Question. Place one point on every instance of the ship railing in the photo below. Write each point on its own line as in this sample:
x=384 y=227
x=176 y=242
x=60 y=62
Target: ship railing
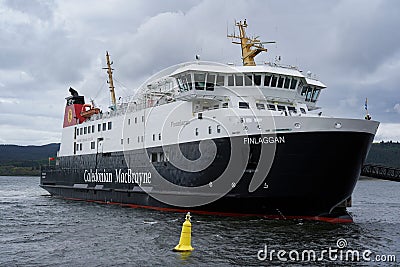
x=278 y=64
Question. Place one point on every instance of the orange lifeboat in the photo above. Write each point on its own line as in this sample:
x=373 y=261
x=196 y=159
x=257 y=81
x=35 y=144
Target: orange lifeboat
x=88 y=110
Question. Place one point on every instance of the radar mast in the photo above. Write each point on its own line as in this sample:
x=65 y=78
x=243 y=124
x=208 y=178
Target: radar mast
x=248 y=54
x=111 y=82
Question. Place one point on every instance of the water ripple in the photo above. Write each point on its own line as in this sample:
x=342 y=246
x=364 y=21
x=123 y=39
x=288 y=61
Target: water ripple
x=37 y=230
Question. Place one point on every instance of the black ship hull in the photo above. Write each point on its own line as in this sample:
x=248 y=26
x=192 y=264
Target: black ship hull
x=310 y=176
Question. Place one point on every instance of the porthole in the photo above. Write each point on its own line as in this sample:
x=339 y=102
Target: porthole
x=338 y=125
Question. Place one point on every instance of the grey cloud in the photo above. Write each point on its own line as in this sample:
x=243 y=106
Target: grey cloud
x=41 y=9
x=48 y=46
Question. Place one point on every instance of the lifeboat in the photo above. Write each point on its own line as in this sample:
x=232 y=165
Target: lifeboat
x=88 y=110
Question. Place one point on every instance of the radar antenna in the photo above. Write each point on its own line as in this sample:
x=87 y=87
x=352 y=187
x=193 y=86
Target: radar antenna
x=248 y=54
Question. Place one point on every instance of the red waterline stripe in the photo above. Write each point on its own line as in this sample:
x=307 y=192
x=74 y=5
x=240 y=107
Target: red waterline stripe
x=228 y=214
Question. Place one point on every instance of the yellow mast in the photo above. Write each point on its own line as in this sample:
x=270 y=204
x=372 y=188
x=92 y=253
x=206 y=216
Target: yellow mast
x=110 y=81
x=248 y=54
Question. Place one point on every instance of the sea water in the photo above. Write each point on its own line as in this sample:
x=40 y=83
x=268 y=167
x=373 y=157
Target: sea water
x=38 y=230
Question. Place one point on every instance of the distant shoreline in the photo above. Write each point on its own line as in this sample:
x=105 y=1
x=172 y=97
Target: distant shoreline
x=367 y=178
x=26 y=160
x=10 y=170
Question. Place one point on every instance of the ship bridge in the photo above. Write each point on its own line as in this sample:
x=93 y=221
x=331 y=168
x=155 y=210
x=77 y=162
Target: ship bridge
x=219 y=83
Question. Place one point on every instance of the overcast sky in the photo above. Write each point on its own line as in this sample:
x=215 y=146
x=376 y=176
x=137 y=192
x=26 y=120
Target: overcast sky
x=48 y=46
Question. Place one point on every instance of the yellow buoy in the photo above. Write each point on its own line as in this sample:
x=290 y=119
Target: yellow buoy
x=186 y=236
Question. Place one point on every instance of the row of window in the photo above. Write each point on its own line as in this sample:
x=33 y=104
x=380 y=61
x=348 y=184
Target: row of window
x=218 y=129
x=272 y=107
x=91 y=128
x=79 y=146
x=140 y=139
x=136 y=120
x=208 y=81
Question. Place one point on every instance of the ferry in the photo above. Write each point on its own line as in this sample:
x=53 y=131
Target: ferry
x=215 y=139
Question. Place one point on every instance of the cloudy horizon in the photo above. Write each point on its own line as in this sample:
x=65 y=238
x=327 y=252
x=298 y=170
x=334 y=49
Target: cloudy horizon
x=48 y=46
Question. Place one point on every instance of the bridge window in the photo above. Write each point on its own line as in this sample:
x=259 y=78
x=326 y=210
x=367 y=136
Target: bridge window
x=315 y=95
x=92 y=128
x=287 y=83
x=189 y=81
x=184 y=84
x=220 y=80
x=154 y=137
x=309 y=94
x=248 y=80
x=260 y=106
x=109 y=125
x=280 y=82
x=244 y=105
x=293 y=84
x=230 y=80
x=80 y=131
x=99 y=127
x=271 y=107
x=209 y=129
x=210 y=82
x=180 y=84
x=267 y=80
x=225 y=105
x=196 y=131
x=274 y=79
x=159 y=136
x=92 y=145
x=199 y=81
x=104 y=126
x=257 y=79
x=239 y=80
x=218 y=128
x=300 y=86
x=304 y=91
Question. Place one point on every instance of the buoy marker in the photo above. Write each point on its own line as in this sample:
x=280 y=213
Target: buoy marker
x=186 y=236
